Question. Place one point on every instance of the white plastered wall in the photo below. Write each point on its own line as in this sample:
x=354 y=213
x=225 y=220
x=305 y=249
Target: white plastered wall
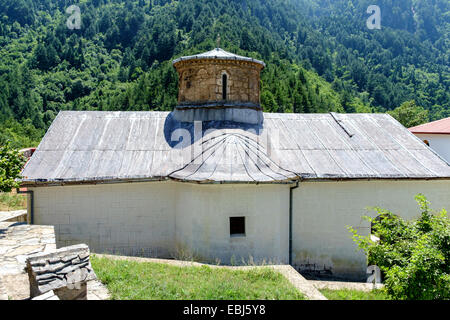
x=168 y=219
x=323 y=210
x=203 y=224
x=128 y=218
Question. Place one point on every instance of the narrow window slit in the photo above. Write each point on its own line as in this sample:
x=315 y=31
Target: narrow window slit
x=224 y=86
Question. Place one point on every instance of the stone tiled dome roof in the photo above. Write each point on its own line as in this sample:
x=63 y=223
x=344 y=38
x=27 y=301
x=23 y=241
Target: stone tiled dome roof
x=219 y=54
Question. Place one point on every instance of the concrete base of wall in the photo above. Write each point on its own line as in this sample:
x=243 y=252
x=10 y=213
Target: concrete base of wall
x=241 y=115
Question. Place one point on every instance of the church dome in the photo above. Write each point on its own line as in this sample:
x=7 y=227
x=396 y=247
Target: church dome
x=219 y=85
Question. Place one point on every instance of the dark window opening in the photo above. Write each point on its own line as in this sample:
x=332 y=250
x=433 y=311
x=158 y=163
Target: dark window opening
x=224 y=86
x=237 y=226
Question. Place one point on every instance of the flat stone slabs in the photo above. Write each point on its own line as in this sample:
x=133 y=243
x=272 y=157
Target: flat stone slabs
x=17 y=241
x=298 y=281
x=338 y=285
x=50 y=295
x=15 y=287
x=97 y=291
x=11 y=216
x=3 y=292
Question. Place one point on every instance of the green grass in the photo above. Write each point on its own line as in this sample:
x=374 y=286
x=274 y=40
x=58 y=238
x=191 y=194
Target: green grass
x=130 y=280
x=347 y=294
x=12 y=201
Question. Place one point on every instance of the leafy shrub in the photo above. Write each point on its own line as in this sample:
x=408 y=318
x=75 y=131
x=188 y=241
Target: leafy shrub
x=413 y=255
x=11 y=163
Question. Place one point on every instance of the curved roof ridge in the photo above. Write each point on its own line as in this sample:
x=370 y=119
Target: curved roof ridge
x=215 y=165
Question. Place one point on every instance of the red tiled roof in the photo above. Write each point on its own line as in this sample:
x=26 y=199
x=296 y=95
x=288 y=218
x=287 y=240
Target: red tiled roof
x=437 y=127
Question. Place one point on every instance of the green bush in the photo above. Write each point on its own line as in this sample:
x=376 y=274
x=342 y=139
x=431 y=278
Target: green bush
x=413 y=255
x=11 y=163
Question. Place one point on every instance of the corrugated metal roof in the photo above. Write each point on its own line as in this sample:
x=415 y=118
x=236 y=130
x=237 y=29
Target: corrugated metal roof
x=92 y=147
x=219 y=54
x=436 y=127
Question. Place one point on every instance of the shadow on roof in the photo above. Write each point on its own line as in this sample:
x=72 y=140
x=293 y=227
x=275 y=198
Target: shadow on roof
x=183 y=134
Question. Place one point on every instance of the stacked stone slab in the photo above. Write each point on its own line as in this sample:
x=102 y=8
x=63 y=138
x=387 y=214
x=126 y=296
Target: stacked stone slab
x=66 y=271
x=50 y=295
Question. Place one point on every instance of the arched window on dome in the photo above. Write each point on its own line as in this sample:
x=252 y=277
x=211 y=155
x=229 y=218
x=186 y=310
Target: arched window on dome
x=224 y=86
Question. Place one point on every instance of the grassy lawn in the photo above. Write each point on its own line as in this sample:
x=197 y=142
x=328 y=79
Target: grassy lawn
x=130 y=280
x=12 y=201
x=346 y=294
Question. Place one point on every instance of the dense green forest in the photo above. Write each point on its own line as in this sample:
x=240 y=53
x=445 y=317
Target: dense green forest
x=320 y=56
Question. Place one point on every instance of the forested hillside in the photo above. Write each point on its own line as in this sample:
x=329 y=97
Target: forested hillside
x=320 y=56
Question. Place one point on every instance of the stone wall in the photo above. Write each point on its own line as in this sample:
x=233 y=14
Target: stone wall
x=66 y=271
x=201 y=81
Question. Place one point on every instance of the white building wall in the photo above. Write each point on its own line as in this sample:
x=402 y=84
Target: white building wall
x=169 y=219
x=323 y=210
x=132 y=218
x=439 y=143
x=203 y=222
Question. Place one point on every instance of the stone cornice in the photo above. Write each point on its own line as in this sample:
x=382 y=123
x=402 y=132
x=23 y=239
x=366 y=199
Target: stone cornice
x=211 y=61
x=218 y=105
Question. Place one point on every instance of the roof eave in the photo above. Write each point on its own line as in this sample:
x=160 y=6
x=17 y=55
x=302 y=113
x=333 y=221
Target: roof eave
x=55 y=183
x=436 y=132
x=198 y=58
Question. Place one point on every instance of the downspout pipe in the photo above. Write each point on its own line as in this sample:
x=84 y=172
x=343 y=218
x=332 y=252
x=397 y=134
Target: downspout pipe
x=291 y=196
x=31 y=193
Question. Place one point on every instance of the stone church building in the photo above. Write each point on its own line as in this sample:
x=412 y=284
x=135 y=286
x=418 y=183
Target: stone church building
x=220 y=180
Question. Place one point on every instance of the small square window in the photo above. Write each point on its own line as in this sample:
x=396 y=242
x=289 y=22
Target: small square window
x=237 y=226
